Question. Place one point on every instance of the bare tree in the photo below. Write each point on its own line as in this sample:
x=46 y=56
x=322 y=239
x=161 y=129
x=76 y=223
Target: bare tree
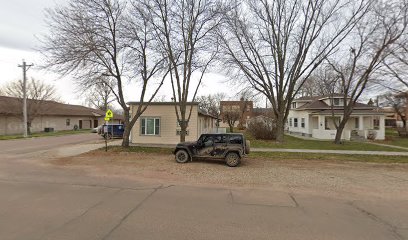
x=399 y=103
x=231 y=116
x=184 y=29
x=372 y=42
x=396 y=66
x=211 y=103
x=100 y=95
x=38 y=93
x=322 y=82
x=109 y=38
x=274 y=46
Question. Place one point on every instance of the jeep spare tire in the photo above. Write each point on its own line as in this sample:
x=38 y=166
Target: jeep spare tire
x=247 y=146
x=232 y=159
x=182 y=156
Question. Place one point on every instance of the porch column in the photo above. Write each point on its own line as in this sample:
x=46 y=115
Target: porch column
x=321 y=122
x=381 y=131
x=360 y=123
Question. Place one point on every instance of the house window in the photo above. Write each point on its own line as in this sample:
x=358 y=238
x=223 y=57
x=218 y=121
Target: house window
x=295 y=122
x=150 y=126
x=290 y=122
x=336 y=102
x=302 y=123
x=68 y=122
x=293 y=105
x=356 y=123
x=178 y=132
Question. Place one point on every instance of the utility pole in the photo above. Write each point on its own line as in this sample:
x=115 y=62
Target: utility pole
x=25 y=68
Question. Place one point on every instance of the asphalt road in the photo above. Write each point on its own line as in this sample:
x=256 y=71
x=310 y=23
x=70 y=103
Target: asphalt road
x=41 y=201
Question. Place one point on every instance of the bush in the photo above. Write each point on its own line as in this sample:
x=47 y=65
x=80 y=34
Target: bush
x=262 y=128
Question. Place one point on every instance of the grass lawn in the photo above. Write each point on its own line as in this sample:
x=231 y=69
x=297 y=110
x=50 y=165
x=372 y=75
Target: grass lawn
x=139 y=149
x=45 y=134
x=298 y=143
x=328 y=157
x=277 y=156
x=392 y=138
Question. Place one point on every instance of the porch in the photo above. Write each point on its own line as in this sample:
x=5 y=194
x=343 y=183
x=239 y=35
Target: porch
x=358 y=127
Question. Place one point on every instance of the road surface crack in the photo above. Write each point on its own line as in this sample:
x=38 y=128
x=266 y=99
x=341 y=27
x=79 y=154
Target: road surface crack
x=393 y=229
x=134 y=209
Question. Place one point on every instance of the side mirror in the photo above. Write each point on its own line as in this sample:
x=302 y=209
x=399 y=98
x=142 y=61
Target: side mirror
x=199 y=143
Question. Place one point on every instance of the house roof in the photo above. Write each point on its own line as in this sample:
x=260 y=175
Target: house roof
x=355 y=112
x=204 y=113
x=13 y=106
x=159 y=103
x=313 y=98
x=321 y=105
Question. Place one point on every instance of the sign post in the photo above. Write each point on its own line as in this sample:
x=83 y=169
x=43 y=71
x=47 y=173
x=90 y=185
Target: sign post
x=108 y=116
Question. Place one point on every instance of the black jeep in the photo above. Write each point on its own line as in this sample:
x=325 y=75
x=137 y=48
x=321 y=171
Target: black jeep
x=229 y=146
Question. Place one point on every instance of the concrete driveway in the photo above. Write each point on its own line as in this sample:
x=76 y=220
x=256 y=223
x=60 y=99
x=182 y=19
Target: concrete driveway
x=43 y=201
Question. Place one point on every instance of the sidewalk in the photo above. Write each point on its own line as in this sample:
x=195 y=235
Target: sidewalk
x=346 y=152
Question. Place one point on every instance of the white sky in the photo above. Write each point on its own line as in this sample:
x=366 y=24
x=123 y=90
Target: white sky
x=21 y=21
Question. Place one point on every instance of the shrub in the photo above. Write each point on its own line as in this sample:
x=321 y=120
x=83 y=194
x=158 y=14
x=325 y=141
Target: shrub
x=262 y=128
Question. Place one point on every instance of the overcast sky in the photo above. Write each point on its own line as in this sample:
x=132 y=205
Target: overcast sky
x=21 y=21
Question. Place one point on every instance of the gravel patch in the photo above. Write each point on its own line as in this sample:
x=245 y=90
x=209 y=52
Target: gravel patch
x=340 y=179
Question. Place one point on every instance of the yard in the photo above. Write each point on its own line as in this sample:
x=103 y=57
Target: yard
x=392 y=138
x=45 y=134
x=291 y=142
x=337 y=174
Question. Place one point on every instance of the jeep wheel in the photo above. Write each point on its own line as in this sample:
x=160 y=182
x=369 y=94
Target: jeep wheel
x=232 y=159
x=182 y=156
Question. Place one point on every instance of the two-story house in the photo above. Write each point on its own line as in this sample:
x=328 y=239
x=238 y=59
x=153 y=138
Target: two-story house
x=318 y=117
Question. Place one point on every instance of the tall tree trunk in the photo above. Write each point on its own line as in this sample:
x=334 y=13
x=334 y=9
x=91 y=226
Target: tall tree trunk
x=404 y=122
x=280 y=128
x=183 y=124
x=183 y=131
x=128 y=128
x=231 y=127
x=339 y=131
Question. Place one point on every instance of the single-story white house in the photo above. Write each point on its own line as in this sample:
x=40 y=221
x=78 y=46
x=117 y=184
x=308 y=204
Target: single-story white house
x=316 y=116
x=47 y=114
x=159 y=125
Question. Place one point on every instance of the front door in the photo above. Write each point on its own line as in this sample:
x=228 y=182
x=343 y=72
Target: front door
x=95 y=123
x=80 y=124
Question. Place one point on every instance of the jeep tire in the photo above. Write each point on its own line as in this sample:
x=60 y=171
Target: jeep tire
x=182 y=156
x=232 y=159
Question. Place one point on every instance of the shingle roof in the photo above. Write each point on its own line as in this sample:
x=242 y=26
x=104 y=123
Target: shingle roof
x=320 y=104
x=13 y=106
x=204 y=113
x=160 y=103
x=312 y=98
x=355 y=112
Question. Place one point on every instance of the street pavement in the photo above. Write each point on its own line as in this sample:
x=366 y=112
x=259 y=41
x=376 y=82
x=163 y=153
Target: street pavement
x=42 y=201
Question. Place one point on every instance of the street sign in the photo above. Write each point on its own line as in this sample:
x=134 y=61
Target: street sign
x=109 y=114
x=107 y=119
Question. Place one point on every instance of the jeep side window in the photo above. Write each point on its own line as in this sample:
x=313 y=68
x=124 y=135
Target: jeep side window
x=208 y=141
x=220 y=139
x=235 y=139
